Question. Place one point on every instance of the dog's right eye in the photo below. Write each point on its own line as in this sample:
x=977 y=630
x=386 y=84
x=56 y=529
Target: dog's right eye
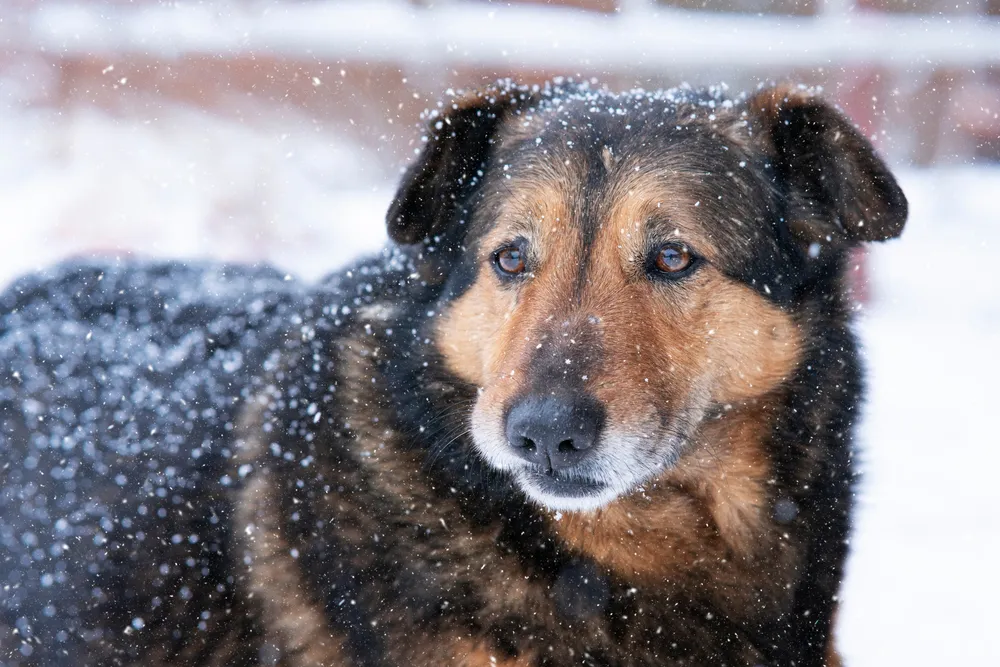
x=509 y=260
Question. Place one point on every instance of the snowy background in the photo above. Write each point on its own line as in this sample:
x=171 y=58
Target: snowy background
x=275 y=131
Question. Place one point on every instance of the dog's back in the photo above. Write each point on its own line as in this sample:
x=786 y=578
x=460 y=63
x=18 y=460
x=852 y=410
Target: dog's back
x=115 y=424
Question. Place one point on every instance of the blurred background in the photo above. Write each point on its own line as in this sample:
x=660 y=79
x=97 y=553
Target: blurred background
x=274 y=130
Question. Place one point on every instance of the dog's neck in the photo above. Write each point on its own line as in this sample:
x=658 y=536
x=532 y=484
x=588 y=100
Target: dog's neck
x=707 y=518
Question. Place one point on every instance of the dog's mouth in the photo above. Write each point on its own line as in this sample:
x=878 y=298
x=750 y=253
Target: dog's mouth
x=554 y=483
x=558 y=491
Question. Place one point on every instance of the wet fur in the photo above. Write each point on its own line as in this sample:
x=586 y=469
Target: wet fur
x=365 y=526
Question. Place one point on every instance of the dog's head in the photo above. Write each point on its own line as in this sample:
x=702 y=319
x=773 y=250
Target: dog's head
x=618 y=267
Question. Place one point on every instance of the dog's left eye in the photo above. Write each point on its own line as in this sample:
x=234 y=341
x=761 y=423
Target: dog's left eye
x=672 y=260
x=509 y=260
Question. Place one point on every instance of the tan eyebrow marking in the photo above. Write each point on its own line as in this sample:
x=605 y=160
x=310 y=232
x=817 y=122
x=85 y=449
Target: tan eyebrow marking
x=608 y=158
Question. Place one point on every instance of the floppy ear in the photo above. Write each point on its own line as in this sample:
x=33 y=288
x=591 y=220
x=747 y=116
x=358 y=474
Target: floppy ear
x=449 y=167
x=836 y=187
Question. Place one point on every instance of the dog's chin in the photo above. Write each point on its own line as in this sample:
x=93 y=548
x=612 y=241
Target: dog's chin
x=564 y=494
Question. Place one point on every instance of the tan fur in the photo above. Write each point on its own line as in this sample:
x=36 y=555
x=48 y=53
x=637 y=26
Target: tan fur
x=707 y=518
x=727 y=471
x=294 y=620
x=469 y=327
x=468 y=653
x=608 y=158
x=768 y=103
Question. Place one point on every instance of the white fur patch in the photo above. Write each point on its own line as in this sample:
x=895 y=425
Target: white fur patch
x=608 y=158
x=378 y=312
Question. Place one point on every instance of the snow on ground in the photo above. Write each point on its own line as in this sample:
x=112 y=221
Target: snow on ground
x=922 y=582
x=182 y=182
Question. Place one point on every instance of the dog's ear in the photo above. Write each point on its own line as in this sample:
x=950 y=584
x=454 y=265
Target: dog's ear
x=836 y=186
x=451 y=164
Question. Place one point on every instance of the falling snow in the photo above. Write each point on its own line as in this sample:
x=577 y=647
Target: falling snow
x=124 y=385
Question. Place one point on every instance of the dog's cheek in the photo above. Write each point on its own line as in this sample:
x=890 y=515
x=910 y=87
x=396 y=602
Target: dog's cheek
x=470 y=333
x=754 y=346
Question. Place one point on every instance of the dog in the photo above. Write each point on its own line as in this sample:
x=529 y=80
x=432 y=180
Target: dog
x=593 y=406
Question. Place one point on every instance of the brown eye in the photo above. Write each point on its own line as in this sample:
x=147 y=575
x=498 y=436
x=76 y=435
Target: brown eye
x=673 y=258
x=510 y=260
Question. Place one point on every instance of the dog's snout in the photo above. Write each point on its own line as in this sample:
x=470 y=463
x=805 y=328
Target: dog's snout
x=555 y=432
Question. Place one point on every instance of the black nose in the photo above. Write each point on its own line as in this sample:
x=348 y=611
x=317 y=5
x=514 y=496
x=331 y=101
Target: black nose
x=555 y=432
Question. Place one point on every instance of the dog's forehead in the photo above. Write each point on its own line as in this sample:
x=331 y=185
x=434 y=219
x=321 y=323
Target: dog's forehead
x=666 y=132
x=676 y=164
x=583 y=108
